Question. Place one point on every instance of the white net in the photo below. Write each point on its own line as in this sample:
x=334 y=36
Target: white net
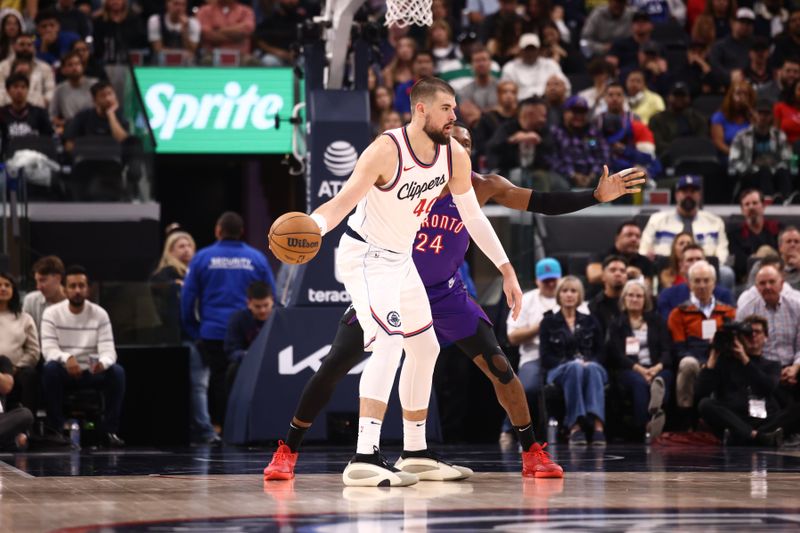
x=407 y=12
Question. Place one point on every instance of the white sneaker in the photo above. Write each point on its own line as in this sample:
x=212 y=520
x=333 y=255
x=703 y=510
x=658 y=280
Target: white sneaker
x=373 y=471
x=427 y=466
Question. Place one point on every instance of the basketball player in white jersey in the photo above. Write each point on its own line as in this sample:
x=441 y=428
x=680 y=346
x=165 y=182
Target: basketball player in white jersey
x=393 y=186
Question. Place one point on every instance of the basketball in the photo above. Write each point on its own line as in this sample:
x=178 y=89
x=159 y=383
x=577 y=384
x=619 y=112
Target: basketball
x=294 y=238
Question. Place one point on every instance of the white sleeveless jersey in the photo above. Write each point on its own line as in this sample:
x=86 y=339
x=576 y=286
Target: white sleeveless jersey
x=390 y=216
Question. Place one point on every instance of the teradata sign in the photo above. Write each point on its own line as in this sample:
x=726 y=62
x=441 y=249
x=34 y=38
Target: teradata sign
x=218 y=110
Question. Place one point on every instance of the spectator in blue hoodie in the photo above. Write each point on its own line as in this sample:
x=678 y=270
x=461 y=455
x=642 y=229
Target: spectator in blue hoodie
x=215 y=288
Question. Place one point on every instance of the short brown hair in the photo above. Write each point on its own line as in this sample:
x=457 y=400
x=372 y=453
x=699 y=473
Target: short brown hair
x=427 y=87
x=49 y=264
x=758 y=319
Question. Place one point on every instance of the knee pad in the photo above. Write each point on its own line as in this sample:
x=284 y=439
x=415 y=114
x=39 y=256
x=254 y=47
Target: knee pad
x=499 y=365
x=484 y=344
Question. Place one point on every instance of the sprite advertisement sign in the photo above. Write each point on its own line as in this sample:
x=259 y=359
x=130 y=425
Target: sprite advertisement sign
x=218 y=110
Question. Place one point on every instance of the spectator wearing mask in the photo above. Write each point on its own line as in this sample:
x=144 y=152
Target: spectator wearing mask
x=19 y=118
x=274 y=37
x=734 y=116
x=624 y=52
x=482 y=90
x=787 y=113
x=737 y=386
x=556 y=92
x=174 y=30
x=19 y=341
x=643 y=102
x=42 y=81
x=571 y=351
x=48 y=272
x=678 y=293
x=244 y=326
x=78 y=349
x=52 y=42
x=626 y=245
x=72 y=19
x=692 y=326
x=530 y=70
x=640 y=347
x=579 y=150
x=785 y=78
x=216 y=285
x=72 y=95
x=760 y=156
x=757 y=71
x=604 y=25
x=506 y=110
x=732 y=51
x=605 y=305
x=748 y=237
x=678 y=120
x=117 y=30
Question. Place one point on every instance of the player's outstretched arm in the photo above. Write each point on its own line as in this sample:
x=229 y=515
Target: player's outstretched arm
x=479 y=227
x=609 y=188
x=377 y=163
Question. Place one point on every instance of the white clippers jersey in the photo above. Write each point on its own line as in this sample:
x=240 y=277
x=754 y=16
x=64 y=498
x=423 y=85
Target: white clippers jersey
x=390 y=216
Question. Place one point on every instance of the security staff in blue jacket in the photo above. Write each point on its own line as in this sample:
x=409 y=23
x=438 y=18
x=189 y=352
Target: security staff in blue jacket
x=215 y=287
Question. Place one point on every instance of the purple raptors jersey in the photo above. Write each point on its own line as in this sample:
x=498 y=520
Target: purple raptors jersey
x=441 y=243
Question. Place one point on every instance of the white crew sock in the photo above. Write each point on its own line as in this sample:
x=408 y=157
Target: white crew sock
x=414 y=435
x=369 y=435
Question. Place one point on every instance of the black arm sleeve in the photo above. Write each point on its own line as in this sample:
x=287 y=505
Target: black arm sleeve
x=558 y=203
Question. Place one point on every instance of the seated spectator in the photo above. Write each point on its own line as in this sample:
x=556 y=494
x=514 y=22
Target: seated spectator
x=400 y=68
x=757 y=71
x=708 y=229
x=174 y=30
x=11 y=25
x=78 y=349
x=275 y=35
x=602 y=73
x=787 y=44
x=42 y=81
x=476 y=11
x=605 y=305
x=571 y=350
x=717 y=16
x=72 y=95
x=19 y=341
x=755 y=232
x=789 y=251
x=116 y=31
x=390 y=120
x=244 y=326
x=626 y=245
x=529 y=70
x=692 y=326
x=48 y=272
x=556 y=92
x=501 y=32
x=785 y=78
x=731 y=52
x=505 y=111
x=639 y=345
x=604 y=25
x=678 y=120
x=482 y=91
x=624 y=52
x=671 y=273
x=52 y=42
x=631 y=142
x=782 y=313
x=524 y=143
x=771 y=18
x=678 y=293
x=14 y=423
x=760 y=156
x=653 y=62
x=698 y=73
x=423 y=67
x=91 y=66
x=733 y=116
x=642 y=101
x=737 y=388
x=661 y=11
x=381 y=101
x=446 y=55
x=229 y=25
x=787 y=113
x=751 y=293
x=579 y=151
x=562 y=52
x=103 y=119
x=20 y=118
x=72 y=19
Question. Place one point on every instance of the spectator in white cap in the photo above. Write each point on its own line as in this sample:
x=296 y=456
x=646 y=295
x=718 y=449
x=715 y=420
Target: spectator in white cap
x=530 y=71
x=733 y=52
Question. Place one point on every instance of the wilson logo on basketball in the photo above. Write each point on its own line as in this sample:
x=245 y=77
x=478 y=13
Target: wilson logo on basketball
x=294 y=242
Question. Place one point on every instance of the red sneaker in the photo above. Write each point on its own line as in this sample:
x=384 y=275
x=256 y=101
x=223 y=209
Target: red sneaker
x=282 y=464
x=537 y=463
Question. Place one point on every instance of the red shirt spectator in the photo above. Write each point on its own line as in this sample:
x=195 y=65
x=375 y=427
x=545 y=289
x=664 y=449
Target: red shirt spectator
x=787 y=114
x=226 y=24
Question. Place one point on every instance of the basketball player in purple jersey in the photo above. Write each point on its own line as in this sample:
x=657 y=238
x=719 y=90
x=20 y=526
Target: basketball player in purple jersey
x=439 y=250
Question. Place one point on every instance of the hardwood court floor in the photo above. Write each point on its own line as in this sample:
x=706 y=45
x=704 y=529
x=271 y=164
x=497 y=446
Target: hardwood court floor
x=621 y=488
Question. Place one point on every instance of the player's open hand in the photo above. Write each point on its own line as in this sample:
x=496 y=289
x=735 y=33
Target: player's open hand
x=624 y=182
x=512 y=290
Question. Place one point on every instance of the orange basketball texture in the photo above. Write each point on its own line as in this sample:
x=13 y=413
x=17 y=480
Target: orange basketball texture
x=294 y=238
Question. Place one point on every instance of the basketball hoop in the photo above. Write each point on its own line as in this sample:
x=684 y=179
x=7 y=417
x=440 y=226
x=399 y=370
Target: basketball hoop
x=404 y=13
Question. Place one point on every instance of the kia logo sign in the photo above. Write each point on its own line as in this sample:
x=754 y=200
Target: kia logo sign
x=340 y=158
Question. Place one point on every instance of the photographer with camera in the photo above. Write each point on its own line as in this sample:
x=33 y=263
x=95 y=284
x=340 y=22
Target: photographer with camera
x=737 y=387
